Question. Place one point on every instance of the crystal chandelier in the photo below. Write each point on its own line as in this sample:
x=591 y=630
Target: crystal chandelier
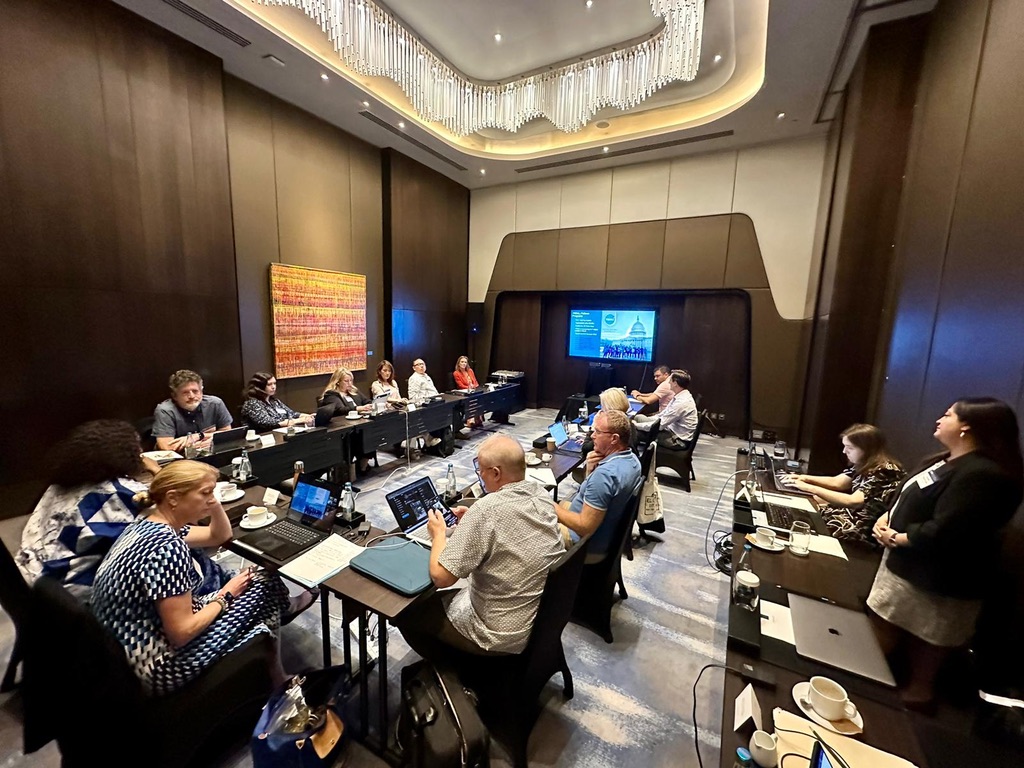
x=371 y=42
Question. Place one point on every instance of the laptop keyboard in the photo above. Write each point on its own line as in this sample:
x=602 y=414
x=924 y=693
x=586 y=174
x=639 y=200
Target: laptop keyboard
x=782 y=517
x=296 y=534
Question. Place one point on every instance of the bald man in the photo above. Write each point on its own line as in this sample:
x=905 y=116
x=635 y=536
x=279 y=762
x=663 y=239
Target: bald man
x=503 y=545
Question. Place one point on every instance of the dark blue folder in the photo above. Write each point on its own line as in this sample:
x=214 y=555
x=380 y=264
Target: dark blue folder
x=399 y=564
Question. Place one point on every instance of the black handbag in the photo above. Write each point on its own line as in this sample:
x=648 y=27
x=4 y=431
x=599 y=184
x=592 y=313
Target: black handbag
x=317 y=741
x=439 y=725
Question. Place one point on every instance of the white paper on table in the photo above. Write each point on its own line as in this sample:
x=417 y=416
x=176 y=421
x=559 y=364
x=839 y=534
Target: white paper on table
x=777 y=622
x=321 y=562
x=856 y=753
x=267 y=441
x=544 y=476
x=793 y=502
x=826 y=545
x=747 y=707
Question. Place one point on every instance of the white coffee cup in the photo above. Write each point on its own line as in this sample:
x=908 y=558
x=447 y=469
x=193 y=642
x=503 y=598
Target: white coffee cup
x=227 y=489
x=764 y=748
x=545 y=457
x=829 y=699
x=353 y=414
x=250 y=435
x=256 y=515
x=765 y=537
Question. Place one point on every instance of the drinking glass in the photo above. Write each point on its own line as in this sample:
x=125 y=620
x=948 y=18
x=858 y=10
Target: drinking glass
x=780 y=451
x=800 y=538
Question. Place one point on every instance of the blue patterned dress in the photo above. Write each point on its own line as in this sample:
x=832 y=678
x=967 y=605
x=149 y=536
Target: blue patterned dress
x=150 y=561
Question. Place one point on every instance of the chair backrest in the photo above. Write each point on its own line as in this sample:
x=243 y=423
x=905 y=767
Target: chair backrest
x=647 y=458
x=644 y=437
x=697 y=431
x=145 y=429
x=14 y=591
x=555 y=606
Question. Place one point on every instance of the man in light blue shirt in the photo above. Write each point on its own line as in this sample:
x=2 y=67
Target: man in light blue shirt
x=601 y=501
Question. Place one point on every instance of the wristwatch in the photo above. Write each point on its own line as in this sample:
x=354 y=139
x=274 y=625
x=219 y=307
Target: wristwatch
x=228 y=598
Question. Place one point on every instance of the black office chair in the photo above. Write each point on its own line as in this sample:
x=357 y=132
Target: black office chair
x=14 y=599
x=681 y=461
x=75 y=670
x=596 y=595
x=508 y=687
x=145 y=429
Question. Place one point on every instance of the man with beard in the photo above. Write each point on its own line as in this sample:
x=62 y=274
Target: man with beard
x=188 y=416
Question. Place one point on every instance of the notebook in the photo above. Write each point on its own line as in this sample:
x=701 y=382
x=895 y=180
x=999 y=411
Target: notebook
x=403 y=566
x=839 y=637
x=310 y=520
x=563 y=444
x=410 y=505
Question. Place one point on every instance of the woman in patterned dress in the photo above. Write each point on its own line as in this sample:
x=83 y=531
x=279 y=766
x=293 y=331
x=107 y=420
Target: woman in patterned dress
x=856 y=497
x=263 y=410
x=144 y=589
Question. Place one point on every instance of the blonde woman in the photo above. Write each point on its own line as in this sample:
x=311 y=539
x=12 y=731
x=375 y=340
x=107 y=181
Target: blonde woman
x=145 y=588
x=342 y=392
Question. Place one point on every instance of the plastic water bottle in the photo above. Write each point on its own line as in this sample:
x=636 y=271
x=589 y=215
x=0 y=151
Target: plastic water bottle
x=584 y=413
x=742 y=565
x=450 y=489
x=348 y=503
x=245 y=467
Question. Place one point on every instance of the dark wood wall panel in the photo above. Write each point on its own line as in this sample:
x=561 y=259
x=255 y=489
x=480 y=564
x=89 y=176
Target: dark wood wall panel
x=119 y=264
x=875 y=135
x=427 y=262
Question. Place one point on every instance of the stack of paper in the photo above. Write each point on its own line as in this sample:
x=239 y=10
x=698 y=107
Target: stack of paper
x=321 y=562
x=855 y=753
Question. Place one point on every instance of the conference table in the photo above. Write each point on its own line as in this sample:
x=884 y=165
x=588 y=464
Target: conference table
x=846 y=583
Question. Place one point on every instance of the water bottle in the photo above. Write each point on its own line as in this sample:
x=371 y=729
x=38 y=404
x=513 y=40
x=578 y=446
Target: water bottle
x=244 y=467
x=742 y=565
x=450 y=489
x=348 y=503
x=565 y=424
x=584 y=413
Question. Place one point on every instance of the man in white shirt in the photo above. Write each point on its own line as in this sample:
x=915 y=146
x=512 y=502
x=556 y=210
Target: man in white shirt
x=421 y=386
x=678 y=418
x=662 y=394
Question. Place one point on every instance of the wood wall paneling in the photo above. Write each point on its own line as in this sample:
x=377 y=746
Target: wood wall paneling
x=517 y=338
x=695 y=252
x=582 y=258
x=635 y=253
x=744 y=265
x=535 y=260
x=116 y=199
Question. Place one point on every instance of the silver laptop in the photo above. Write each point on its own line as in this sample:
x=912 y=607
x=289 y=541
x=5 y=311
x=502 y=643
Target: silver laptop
x=839 y=637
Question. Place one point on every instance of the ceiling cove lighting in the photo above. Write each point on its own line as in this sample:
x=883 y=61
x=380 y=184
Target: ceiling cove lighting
x=371 y=42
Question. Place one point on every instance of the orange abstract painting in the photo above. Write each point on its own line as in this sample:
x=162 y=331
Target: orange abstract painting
x=319 y=320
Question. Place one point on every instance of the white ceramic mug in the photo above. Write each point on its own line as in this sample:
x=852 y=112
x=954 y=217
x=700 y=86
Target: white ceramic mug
x=829 y=699
x=228 y=489
x=250 y=435
x=353 y=414
x=545 y=457
x=764 y=748
x=256 y=515
x=765 y=537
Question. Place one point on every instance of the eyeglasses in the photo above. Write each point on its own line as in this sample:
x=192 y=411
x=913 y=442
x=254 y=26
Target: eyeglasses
x=596 y=431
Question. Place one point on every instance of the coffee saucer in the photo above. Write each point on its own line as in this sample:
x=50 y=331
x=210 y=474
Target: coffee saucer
x=532 y=460
x=271 y=517
x=229 y=497
x=357 y=417
x=777 y=546
x=801 y=692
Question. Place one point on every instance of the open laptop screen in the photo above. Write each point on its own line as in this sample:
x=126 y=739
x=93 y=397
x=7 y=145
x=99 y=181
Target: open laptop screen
x=316 y=501
x=558 y=432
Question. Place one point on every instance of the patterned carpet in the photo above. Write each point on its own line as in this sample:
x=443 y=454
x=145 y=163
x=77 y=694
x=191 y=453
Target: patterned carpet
x=633 y=697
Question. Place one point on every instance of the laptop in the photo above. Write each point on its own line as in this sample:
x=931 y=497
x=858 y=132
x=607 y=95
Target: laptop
x=310 y=520
x=563 y=444
x=403 y=566
x=839 y=637
x=780 y=517
x=229 y=438
x=410 y=504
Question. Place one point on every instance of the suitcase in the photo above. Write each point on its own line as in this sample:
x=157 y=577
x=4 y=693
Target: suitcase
x=439 y=726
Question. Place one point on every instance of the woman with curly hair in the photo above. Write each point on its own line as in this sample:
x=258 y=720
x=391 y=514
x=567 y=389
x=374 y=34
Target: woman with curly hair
x=93 y=478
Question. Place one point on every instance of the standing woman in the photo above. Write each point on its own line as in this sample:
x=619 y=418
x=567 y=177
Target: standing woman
x=859 y=495
x=941 y=537
x=145 y=588
x=263 y=410
x=466 y=379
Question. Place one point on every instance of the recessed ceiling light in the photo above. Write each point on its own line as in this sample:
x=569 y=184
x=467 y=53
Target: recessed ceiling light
x=605 y=149
x=497 y=37
x=590 y=3
x=780 y=116
x=324 y=77
x=483 y=171
x=718 y=57
x=366 y=104
x=401 y=124
x=602 y=124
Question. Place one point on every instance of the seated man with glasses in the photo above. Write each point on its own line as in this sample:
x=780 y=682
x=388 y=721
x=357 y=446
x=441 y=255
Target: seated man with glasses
x=614 y=471
x=503 y=546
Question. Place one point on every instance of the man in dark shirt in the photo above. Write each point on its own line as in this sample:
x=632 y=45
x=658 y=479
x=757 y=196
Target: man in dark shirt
x=188 y=416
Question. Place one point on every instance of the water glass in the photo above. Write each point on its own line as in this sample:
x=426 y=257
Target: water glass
x=800 y=538
x=780 y=451
x=746 y=594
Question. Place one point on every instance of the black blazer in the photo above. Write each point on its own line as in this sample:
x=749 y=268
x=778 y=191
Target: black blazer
x=342 y=403
x=953 y=526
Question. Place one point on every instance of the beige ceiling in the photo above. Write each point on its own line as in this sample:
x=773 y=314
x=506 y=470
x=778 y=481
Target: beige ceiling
x=778 y=56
